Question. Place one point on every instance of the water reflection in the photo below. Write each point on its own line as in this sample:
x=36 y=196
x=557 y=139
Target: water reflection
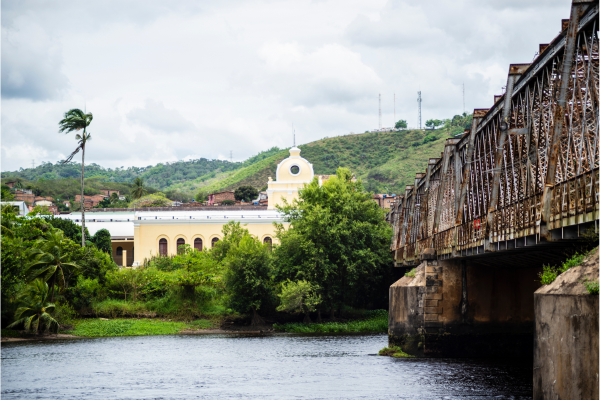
x=280 y=367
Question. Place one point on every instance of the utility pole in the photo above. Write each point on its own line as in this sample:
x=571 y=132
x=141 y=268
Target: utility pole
x=379 y=110
x=419 y=103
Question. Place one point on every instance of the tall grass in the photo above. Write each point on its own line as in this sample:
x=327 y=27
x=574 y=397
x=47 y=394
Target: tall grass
x=377 y=323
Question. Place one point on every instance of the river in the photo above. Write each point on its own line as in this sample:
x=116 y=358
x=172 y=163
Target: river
x=249 y=367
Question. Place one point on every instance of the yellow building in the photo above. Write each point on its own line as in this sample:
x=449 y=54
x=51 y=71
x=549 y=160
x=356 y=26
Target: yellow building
x=292 y=174
x=139 y=235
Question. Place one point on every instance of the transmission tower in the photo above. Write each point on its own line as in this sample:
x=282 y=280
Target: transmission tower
x=379 y=110
x=419 y=102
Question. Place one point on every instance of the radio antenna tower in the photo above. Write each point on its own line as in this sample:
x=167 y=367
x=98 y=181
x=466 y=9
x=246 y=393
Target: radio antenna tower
x=379 y=110
x=419 y=102
x=294 y=135
x=464 y=108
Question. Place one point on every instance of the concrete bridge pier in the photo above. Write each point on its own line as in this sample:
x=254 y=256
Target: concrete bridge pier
x=465 y=308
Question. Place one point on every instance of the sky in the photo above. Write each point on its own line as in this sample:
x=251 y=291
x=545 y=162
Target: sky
x=174 y=80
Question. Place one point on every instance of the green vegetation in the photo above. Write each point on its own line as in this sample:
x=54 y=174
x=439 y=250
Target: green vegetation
x=299 y=296
x=394 y=351
x=245 y=193
x=376 y=323
x=338 y=241
x=157 y=199
x=550 y=273
x=334 y=256
x=592 y=287
x=412 y=273
x=401 y=124
x=127 y=327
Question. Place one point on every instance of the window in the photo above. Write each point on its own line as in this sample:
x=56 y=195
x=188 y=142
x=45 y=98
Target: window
x=120 y=251
x=180 y=242
x=198 y=244
x=162 y=247
x=268 y=241
x=295 y=170
x=214 y=241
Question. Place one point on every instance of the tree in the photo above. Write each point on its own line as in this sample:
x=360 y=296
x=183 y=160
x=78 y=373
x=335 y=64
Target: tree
x=102 y=241
x=299 y=296
x=75 y=120
x=433 y=123
x=33 y=313
x=201 y=196
x=338 y=239
x=247 y=277
x=50 y=259
x=227 y=202
x=245 y=193
x=139 y=190
x=401 y=124
x=7 y=194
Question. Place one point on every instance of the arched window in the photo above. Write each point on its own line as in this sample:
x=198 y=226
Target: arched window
x=198 y=244
x=268 y=241
x=162 y=247
x=214 y=241
x=180 y=242
x=120 y=251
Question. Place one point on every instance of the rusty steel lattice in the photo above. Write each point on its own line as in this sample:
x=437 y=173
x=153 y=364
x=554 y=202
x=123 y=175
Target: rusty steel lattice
x=529 y=164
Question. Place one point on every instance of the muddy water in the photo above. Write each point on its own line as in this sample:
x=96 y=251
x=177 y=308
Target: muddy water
x=249 y=367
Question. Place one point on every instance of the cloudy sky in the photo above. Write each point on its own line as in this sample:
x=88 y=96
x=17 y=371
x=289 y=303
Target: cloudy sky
x=171 y=80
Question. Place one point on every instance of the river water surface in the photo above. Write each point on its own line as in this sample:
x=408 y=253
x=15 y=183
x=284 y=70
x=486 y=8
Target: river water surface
x=249 y=367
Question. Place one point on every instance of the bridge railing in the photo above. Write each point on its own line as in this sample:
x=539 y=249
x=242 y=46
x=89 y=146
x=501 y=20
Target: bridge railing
x=529 y=164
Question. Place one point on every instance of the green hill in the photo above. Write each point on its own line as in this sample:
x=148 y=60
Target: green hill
x=384 y=161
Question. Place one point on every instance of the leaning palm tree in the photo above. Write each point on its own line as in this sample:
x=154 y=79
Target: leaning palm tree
x=76 y=120
x=50 y=260
x=139 y=190
x=33 y=313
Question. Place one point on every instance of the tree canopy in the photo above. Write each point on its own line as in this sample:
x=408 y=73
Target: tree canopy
x=338 y=239
x=245 y=193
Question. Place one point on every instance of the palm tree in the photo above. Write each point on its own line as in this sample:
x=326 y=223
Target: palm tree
x=50 y=259
x=33 y=313
x=139 y=190
x=76 y=120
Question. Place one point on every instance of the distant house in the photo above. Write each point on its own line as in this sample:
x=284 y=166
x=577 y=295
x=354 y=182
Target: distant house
x=263 y=198
x=90 y=201
x=384 y=200
x=11 y=184
x=24 y=195
x=215 y=199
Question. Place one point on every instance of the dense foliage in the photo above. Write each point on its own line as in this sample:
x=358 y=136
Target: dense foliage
x=338 y=240
x=245 y=193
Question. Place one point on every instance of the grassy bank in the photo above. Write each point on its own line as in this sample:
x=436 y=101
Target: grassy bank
x=134 y=327
x=376 y=322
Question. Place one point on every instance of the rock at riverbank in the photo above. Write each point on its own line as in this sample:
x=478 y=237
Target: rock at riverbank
x=566 y=336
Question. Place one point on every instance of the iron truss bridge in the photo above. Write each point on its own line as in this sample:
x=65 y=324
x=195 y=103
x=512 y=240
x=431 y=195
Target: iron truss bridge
x=527 y=171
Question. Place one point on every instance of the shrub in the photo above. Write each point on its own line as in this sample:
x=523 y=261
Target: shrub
x=429 y=138
x=412 y=273
x=85 y=292
x=591 y=286
x=157 y=199
x=548 y=275
x=227 y=202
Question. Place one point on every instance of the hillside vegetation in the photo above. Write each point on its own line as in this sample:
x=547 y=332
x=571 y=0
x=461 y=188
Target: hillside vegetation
x=385 y=161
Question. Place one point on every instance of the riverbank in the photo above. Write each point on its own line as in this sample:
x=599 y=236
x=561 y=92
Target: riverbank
x=372 y=322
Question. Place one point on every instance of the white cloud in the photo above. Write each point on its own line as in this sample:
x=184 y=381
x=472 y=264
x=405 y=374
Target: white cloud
x=171 y=80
